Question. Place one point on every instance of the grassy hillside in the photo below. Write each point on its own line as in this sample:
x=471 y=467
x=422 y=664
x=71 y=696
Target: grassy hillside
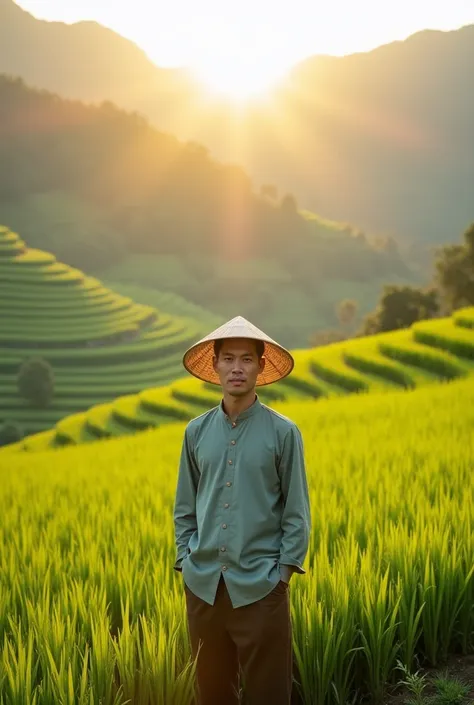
x=261 y=290
x=431 y=351
x=165 y=300
x=100 y=343
x=96 y=613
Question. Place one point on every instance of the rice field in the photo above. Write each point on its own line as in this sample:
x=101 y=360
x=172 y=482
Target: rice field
x=92 y=612
x=101 y=344
x=439 y=350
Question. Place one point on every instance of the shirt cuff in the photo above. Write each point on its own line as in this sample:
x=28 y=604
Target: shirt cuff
x=295 y=565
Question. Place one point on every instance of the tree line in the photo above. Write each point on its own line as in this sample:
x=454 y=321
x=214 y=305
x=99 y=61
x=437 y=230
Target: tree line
x=451 y=287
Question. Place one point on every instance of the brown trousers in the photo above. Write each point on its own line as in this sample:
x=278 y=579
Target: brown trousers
x=255 y=637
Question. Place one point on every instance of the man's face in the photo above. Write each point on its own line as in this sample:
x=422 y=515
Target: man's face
x=238 y=366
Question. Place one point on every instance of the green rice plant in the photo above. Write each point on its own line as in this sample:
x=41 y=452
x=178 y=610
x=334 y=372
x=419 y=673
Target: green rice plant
x=324 y=638
x=130 y=412
x=54 y=276
x=170 y=302
x=444 y=585
x=378 y=620
x=440 y=363
x=48 y=339
x=410 y=625
x=83 y=293
x=19 y=669
x=371 y=364
x=42 y=268
x=7 y=235
x=52 y=324
x=464 y=317
x=348 y=381
x=91 y=609
x=196 y=398
x=446 y=335
x=9 y=251
x=146 y=347
x=38 y=441
x=96 y=420
x=302 y=380
x=69 y=430
x=160 y=402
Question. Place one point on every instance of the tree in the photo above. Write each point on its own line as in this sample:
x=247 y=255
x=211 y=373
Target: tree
x=289 y=204
x=10 y=432
x=400 y=307
x=269 y=191
x=455 y=273
x=325 y=337
x=36 y=382
x=346 y=312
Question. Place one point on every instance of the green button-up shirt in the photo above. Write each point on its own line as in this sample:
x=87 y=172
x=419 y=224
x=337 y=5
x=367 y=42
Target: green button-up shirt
x=242 y=503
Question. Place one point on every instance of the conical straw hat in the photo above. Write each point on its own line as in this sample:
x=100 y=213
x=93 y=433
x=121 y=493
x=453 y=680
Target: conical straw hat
x=198 y=359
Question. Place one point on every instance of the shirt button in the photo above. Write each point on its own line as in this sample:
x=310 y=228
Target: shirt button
x=224 y=567
x=222 y=548
x=228 y=484
x=224 y=526
x=226 y=505
x=232 y=443
x=230 y=462
x=234 y=424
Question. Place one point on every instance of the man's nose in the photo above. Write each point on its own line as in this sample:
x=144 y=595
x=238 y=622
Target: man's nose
x=237 y=366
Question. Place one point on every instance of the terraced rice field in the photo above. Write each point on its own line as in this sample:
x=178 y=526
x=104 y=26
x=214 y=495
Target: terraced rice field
x=100 y=344
x=92 y=613
x=438 y=350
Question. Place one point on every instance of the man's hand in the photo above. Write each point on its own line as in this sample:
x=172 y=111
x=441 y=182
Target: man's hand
x=286 y=571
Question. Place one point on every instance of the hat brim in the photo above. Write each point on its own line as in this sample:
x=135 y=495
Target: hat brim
x=198 y=360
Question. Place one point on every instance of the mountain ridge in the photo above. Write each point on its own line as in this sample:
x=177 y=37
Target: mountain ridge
x=382 y=138
x=63 y=39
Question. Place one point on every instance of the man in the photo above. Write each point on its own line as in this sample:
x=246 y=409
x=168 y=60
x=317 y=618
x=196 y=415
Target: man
x=242 y=521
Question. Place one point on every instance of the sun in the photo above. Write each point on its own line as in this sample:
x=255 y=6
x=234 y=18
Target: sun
x=237 y=82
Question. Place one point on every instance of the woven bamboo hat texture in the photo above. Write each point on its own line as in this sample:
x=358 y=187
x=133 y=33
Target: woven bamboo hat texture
x=198 y=359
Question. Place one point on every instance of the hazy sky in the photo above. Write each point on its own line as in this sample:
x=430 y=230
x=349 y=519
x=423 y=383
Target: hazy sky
x=256 y=40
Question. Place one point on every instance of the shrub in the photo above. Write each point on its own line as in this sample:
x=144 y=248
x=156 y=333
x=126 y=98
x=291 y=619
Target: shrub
x=36 y=382
x=10 y=432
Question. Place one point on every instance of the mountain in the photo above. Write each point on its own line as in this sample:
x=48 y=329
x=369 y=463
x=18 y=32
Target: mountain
x=84 y=60
x=109 y=194
x=391 y=133
x=383 y=138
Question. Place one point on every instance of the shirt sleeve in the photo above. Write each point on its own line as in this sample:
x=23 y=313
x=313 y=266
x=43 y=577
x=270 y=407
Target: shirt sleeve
x=296 y=518
x=185 y=523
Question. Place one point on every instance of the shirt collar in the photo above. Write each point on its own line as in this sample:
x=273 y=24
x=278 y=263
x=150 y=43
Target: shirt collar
x=251 y=411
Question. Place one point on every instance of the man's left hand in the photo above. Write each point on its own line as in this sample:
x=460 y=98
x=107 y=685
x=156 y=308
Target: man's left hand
x=286 y=571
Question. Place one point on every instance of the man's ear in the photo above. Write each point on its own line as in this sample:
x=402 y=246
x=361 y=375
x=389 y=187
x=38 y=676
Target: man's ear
x=262 y=363
x=214 y=363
